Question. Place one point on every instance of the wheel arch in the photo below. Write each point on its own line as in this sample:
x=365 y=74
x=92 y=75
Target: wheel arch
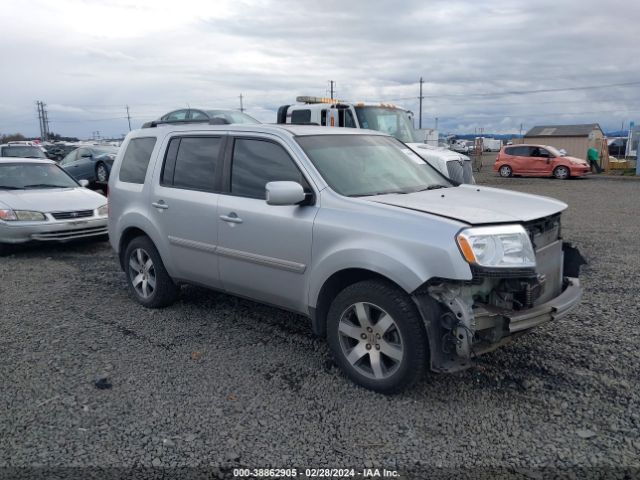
x=333 y=285
x=134 y=230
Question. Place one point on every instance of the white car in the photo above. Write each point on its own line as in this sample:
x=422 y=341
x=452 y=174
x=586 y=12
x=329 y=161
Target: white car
x=39 y=201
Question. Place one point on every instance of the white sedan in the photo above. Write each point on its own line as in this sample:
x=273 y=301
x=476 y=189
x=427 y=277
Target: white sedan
x=39 y=201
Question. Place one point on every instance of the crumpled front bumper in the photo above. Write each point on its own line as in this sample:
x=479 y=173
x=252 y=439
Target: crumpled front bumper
x=554 y=309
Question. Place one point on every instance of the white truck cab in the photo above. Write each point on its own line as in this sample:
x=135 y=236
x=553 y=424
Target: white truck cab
x=383 y=117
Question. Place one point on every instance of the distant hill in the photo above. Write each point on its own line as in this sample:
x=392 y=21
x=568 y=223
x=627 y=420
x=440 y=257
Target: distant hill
x=471 y=136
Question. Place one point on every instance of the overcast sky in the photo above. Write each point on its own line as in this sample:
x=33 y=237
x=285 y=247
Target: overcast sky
x=88 y=59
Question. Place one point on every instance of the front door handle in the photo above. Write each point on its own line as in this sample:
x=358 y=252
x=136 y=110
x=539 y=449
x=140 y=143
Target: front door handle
x=161 y=205
x=231 y=218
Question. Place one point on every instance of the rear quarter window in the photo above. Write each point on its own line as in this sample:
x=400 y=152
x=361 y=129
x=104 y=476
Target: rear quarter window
x=136 y=160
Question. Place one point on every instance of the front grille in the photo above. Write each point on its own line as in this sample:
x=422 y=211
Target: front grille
x=71 y=234
x=460 y=171
x=543 y=231
x=545 y=237
x=72 y=215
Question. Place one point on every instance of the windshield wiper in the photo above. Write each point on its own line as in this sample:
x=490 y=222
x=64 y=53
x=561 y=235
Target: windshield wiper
x=10 y=187
x=46 y=185
x=431 y=187
x=374 y=194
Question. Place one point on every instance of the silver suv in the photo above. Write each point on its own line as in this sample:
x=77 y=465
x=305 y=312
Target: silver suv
x=398 y=267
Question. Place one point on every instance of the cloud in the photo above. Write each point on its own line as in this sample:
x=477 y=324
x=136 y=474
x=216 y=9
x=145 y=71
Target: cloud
x=94 y=58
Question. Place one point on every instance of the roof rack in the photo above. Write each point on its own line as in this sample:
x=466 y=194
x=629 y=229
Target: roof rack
x=209 y=121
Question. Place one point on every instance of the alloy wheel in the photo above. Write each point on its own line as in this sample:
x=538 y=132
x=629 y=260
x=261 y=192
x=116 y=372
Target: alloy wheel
x=370 y=340
x=101 y=173
x=142 y=273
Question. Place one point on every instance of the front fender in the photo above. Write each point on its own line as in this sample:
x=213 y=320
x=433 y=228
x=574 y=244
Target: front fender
x=391 y=262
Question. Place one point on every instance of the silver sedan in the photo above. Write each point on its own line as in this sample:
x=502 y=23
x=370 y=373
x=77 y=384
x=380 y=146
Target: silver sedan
x=39 y=201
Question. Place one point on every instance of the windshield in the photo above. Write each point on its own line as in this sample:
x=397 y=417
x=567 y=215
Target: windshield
x=19 y=176
x=362 y=165
x=232 y=117
x=393 y=121
x=554 y=151
x=23 y=151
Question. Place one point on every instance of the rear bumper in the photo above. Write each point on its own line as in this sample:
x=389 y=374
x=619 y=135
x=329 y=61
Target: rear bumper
x=52 y=231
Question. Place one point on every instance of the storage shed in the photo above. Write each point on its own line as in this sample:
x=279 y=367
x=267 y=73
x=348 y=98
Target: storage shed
x=575 y=139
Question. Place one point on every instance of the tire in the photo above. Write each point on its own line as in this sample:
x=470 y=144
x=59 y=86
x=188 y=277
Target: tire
x=505 y=171
x=385 y=358
x=149 y=283
x=561 y=172
x=102 y=174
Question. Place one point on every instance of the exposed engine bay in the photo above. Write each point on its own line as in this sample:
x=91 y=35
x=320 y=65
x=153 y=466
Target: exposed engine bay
x=497 y=305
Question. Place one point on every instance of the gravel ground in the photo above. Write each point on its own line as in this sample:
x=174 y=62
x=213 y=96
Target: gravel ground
x=215 y=381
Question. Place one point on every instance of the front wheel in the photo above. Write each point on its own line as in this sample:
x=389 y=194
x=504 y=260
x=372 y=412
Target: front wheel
x=561 y=173
x=147 y=278
x=505 y=171
x=102 y=174
x=377 y=336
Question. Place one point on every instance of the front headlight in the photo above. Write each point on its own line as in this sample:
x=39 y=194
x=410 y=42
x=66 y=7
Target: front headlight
x=497 y=247
x=103 y=210
x=21 y=216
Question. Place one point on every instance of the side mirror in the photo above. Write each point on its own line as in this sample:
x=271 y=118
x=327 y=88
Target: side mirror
x=84 y=182
x=284 y=193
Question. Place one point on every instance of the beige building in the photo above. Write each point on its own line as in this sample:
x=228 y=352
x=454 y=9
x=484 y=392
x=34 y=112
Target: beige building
x=575 y=139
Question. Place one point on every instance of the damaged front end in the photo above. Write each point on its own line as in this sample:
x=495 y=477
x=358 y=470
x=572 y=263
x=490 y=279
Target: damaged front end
x=467 y=318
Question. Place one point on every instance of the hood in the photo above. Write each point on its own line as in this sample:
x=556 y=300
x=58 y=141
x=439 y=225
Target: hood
x=475 y=205
x=52 y=199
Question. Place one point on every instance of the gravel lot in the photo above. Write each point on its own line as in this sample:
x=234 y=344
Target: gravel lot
x=215 y=381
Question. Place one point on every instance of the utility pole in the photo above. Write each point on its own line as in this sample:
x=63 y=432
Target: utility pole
x=420 y=111
x=436 y=123
x=45 y=117
x=128 y=118
x=331 y=83
x=40 y=119
x=241 y=105
x=520 y=130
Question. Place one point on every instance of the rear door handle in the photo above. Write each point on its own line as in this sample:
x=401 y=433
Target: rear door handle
x=161 y=205
x=231 y=218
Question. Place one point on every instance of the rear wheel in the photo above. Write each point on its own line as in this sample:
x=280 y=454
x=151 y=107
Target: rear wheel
x=102 y=174
x=561 y=172
x=505 y=171
x=377 y=336
x=147 y=278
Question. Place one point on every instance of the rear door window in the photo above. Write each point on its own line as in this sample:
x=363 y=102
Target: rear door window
x=136 y=160
x=192 y=163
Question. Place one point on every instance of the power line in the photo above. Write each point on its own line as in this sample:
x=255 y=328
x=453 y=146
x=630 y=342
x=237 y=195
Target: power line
x=519 y=92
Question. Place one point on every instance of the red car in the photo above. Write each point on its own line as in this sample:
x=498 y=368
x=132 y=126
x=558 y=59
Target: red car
x=538 y=161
